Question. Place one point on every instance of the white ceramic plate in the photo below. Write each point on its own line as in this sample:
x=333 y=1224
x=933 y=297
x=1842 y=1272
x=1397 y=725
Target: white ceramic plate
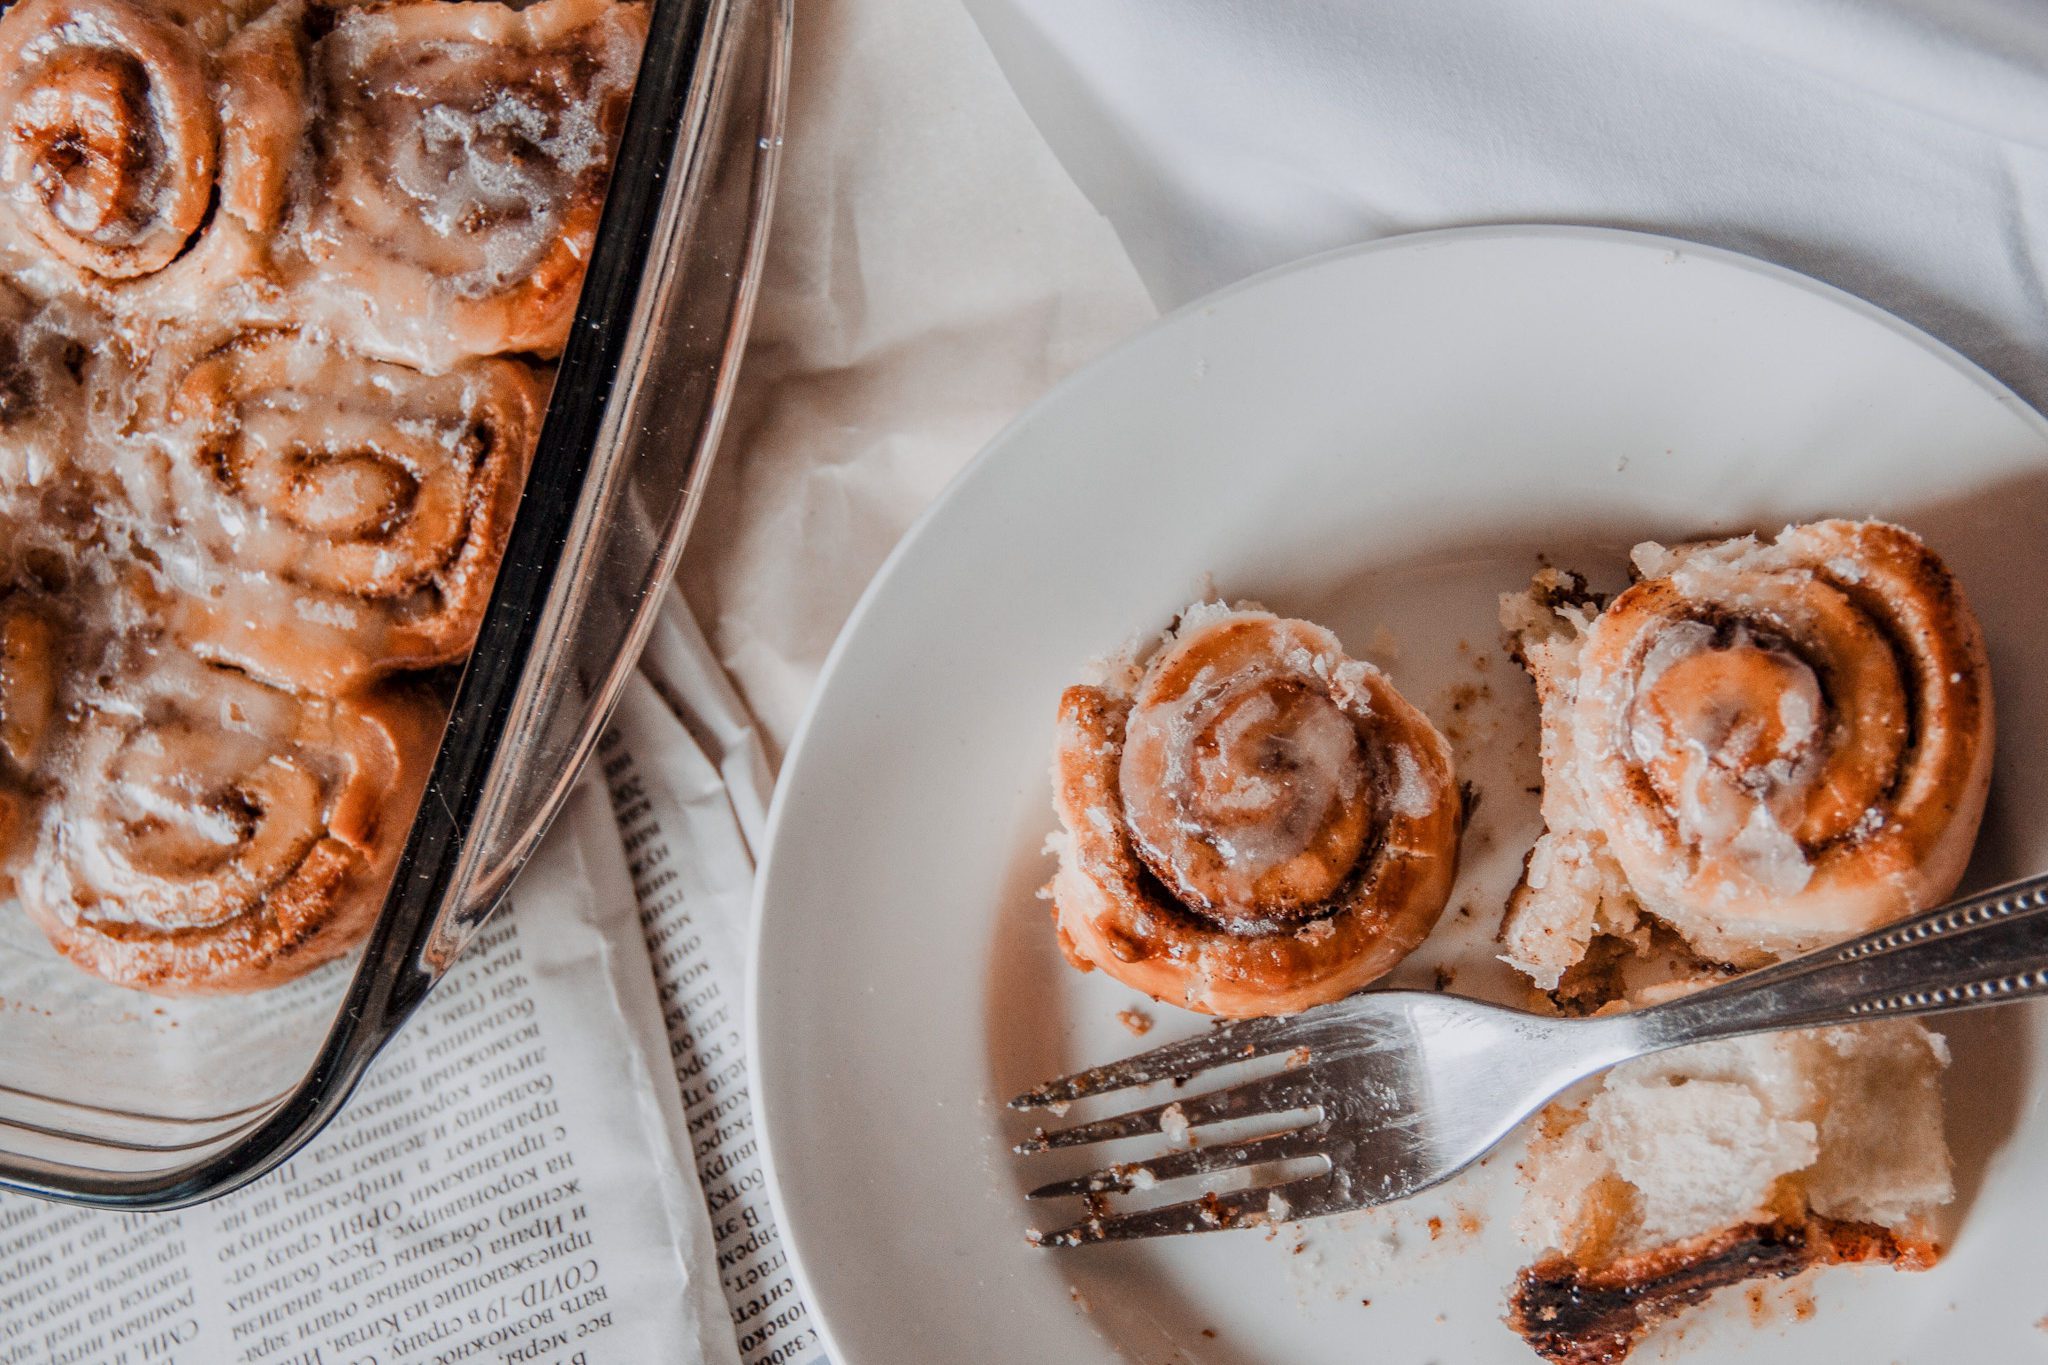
x=1382 y=440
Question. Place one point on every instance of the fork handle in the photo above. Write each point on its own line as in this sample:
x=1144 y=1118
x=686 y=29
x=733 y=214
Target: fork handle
x=1979 y=951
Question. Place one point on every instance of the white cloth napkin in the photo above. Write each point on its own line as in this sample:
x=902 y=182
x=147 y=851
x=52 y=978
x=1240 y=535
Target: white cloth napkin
x=1897 y=148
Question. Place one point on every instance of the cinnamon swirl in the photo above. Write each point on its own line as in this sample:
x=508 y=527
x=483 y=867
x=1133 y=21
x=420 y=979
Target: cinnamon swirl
x=320 y=519
x=1253 y=823
x=111 y=137
x=207 y=833
x=140 y=142
x=456 y=166
x=1764 y=745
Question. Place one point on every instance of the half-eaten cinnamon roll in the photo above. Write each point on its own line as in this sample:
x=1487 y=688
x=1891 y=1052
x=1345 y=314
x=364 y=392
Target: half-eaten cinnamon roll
x=206 y=833
x=1253 y=822
x=1725 y=1163
x=1766 y=745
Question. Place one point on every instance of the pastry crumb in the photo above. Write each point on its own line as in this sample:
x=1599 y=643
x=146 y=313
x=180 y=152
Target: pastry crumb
x=1136 y=1020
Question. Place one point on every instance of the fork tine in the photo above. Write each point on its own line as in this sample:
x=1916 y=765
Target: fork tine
x=1226 y=1043
x=1307 y=1197
x=1125 y=1176
x=1276 y=1094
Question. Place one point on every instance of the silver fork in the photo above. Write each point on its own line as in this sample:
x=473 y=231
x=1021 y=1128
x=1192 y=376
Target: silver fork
x=1385 y=1094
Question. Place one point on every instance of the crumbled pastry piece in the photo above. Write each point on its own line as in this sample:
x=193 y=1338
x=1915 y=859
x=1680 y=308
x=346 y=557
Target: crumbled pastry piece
x=1843 y=1123
x=1756 y=1157
x=1255 y=822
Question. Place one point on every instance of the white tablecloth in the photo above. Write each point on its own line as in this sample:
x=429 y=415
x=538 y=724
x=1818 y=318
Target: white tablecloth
x=1897 y=148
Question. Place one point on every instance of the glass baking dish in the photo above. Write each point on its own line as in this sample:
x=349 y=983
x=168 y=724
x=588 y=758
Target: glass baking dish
x=122 y=1100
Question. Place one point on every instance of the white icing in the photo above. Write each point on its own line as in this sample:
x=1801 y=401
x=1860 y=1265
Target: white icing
x=1244 y=781
x=1415 y=792
x=1740 y=816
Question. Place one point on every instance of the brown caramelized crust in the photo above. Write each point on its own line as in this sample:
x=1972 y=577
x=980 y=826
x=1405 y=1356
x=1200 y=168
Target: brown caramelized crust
x=1573 y=1315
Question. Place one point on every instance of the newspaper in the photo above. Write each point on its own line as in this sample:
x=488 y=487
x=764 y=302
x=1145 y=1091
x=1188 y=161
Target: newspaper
x=517 y=1180
x=689 y=782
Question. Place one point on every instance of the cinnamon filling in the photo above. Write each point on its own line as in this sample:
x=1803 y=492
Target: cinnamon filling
x=96 y=158
x=1572 y=1315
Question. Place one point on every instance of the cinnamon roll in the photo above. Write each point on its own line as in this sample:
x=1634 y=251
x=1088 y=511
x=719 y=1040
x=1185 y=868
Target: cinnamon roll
x=319 y=519
x=456 y=167
x=1253 y=823
x=1766 y=745
x=207 y=833
x=141 y=142
x=111 y=137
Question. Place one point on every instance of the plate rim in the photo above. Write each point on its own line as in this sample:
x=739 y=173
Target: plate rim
x=794 y=755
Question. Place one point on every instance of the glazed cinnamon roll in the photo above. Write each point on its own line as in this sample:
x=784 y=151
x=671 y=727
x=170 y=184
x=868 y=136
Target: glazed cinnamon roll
x=320 y=519
x=1765 y=745
x=1253 y=823
x=208 y=833
x=138 y=141
x=111 y=135
x=457 y=164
